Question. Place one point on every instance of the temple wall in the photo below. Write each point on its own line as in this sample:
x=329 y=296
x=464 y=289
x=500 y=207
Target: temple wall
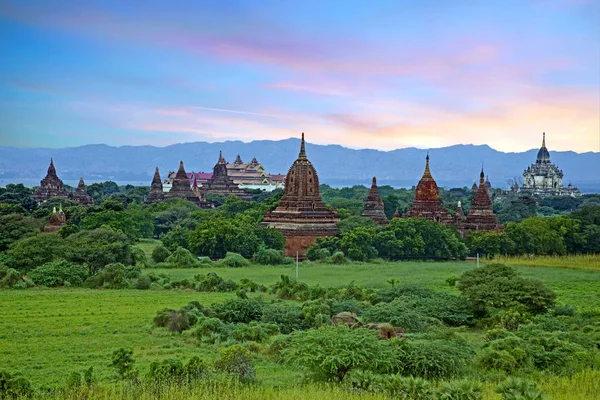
x=298 y=244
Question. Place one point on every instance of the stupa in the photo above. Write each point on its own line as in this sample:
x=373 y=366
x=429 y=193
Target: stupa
x=180 y=188
x=50 y=187
x=373 y=207
x=301 y=214
x=156 y=194
x=222 y=183
x=81 y=195
x=58 y=219
x=427 y=202
x=481 y=215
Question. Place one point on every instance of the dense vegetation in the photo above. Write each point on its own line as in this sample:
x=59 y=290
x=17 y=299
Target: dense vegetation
x=473 y=333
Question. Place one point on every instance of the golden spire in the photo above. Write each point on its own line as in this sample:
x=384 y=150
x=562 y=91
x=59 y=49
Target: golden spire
x=427 y=171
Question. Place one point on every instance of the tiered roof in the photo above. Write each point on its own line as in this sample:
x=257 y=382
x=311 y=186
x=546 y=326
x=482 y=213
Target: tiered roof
x=156 y=194
x=81 y=195
x=58 y=219
x=50 y=187
x=180 y=188
x=220 y=182
x=481 y=215
x=373 y=207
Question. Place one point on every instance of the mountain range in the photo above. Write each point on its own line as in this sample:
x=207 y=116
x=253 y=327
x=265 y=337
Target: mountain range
x=453 y=166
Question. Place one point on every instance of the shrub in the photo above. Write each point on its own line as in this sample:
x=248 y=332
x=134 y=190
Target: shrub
x=501 y=360
x=122 y=361
x=269 y=256
x=237 y=360
x=142 y=283
x=139 y=257
x=11 y=278
x=500 y=286
x=239 y=310
x=14 y=386
x=160 y=253
x=288 y=317
x=112 y=276
x=59 y=273
x=434 y=359
x=212 y=282
x=461 y=390
x=408 y=387
x=234 y=260
x=519 y=389
x=398 y=314
x=254 y=331
x=329 y=353
x=182 y=258
x=338 y=258
x=169 y=370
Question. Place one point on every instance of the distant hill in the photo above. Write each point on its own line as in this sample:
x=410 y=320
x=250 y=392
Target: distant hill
x=453 y=166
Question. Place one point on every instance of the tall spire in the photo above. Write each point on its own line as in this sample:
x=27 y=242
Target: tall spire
x=51 y=169
x=427 y=171
x=374 y=182
x=302 y=155
x=221 y=159
x=481 y=177
x=156 y=178
x=544 y=139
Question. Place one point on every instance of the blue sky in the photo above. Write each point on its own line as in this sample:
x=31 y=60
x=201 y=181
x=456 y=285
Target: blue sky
x=379 y=74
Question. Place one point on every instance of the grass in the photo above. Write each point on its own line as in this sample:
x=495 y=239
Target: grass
x=581 y=261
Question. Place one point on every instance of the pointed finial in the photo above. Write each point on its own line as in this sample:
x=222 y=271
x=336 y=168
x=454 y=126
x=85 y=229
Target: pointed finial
x=302 y=154
x=181 y=164
x=221 y=159
x=459 y=204
x=374 y=183
x=54 y=210
x=544 y=139
x=427 y=171
x=60 y=209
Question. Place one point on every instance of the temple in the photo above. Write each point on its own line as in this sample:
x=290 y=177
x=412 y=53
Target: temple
x=427 y=200
x=481 y=214
x=180 y=188
x=81 y=195
x=301 y=214
x=50 y=187
x=156 y=194
x=221 y=183
x=373 y=207
x=58 y=219
x=544 y=178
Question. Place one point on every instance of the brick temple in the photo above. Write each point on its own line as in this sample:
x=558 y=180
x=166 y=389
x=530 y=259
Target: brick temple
x=156 y=194
x=221 y=183
x=301 y=214
x=81 y=195
x=373 y=208
x=181 y=189
x=58 y=219
x=481 y=215
x=51 y=187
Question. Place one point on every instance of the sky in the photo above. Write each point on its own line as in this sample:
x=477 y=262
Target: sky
x=362 y=74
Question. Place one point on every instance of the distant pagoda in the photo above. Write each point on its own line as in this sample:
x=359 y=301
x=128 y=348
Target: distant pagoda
x=544 y=178
x=50 y=187
x=181 y=189
x=481 y=214
x=373 y=207
x=81 y=195
x=156 y=194
x=301 y=214
x=221 y=183
x=58 y=219
x=427 y=202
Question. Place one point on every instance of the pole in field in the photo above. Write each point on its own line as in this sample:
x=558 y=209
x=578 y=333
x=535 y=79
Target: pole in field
x=296 y=265
x=477 y=260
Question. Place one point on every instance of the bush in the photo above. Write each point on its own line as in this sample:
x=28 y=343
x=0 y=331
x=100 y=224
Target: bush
x=11 y=278
x=233 y=260
x=461 y=390
x=519 y=389
x=408 y=387
x=434 y=359
x=269 y=256
x=14 y=386
x=59 y=273
x=160 y=253
x=288 y=317
x=139 y=257
x=142 y=283
x=329 y=353
x=122 y=361
x=169 y=370
x=254 y=331
x=239 y=310
x=182 y=258
x=237 y=360
x=500 y=286
x=338 y=258
x=399 y=314
x=112 y=276
x=501 y=360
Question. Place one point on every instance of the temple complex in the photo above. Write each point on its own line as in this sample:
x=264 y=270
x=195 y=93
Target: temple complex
x=58 y=219
x=81 y=195
x=544 y=178
x=50 y=187
x=180 y=188
x=156 y=194
x=481 y=215
x=373 y=207
x=221 y=183
x=427 y=200
x=301 y=214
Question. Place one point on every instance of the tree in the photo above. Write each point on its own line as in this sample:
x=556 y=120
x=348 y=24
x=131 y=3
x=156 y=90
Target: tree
x=97 y=248
x=35 y=251
x=14 y=227
x=536 y=236
x=358 y=244
x=489 y=244
x=348 y=224
x=519 y=209
x=135 y=221
x=18 y=194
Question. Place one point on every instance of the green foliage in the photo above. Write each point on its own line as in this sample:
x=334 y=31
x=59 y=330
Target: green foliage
x=139 y=257
x=266 y=256
x=433 y=358
x=30 y=253
x=358 y=244
x=14 y=386
x=348 y=224
x=519 y=389
x=182 y=258
x=240 y=310
x=254 y=331
x=329 y=353
x=18 y=194
x=500 y=286
x=176 y=238
x=112 y=276
x=135 y=221
x=68 y=230
x=14 y=227
x=174 y=371
x=98 y=247
x=460 y=390
x=536 y=236
x=212 y=282
x=287 y=317
x=237 y=360
x=489 y=244
x=59 y=273
x=234 y=260
x=160 y=253
x=217 y=235
x=122 y=361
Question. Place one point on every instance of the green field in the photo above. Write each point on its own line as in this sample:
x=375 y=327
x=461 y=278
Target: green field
x=47 y=333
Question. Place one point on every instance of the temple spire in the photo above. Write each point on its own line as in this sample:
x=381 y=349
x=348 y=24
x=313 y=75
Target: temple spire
x=51 y=169
x=302 y=155
x=481 y=177
x=221 y=159
x=427 y=171
x=374 y=182
x=544 y=139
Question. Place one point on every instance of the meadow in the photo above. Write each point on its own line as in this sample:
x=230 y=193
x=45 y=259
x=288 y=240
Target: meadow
x=45 y=334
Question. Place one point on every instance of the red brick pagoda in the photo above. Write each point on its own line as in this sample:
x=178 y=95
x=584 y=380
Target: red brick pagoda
x=222 y=183
x=301 y=214
x=373 y=208
x=81 y=195
x=50 y=187
x=427 y=200
x=481 y=215
x=58 y=219
x=156 y=194
x=180 y=188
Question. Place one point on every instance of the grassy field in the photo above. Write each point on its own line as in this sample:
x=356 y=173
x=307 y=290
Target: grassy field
x=47 y=333
x=583 y=261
